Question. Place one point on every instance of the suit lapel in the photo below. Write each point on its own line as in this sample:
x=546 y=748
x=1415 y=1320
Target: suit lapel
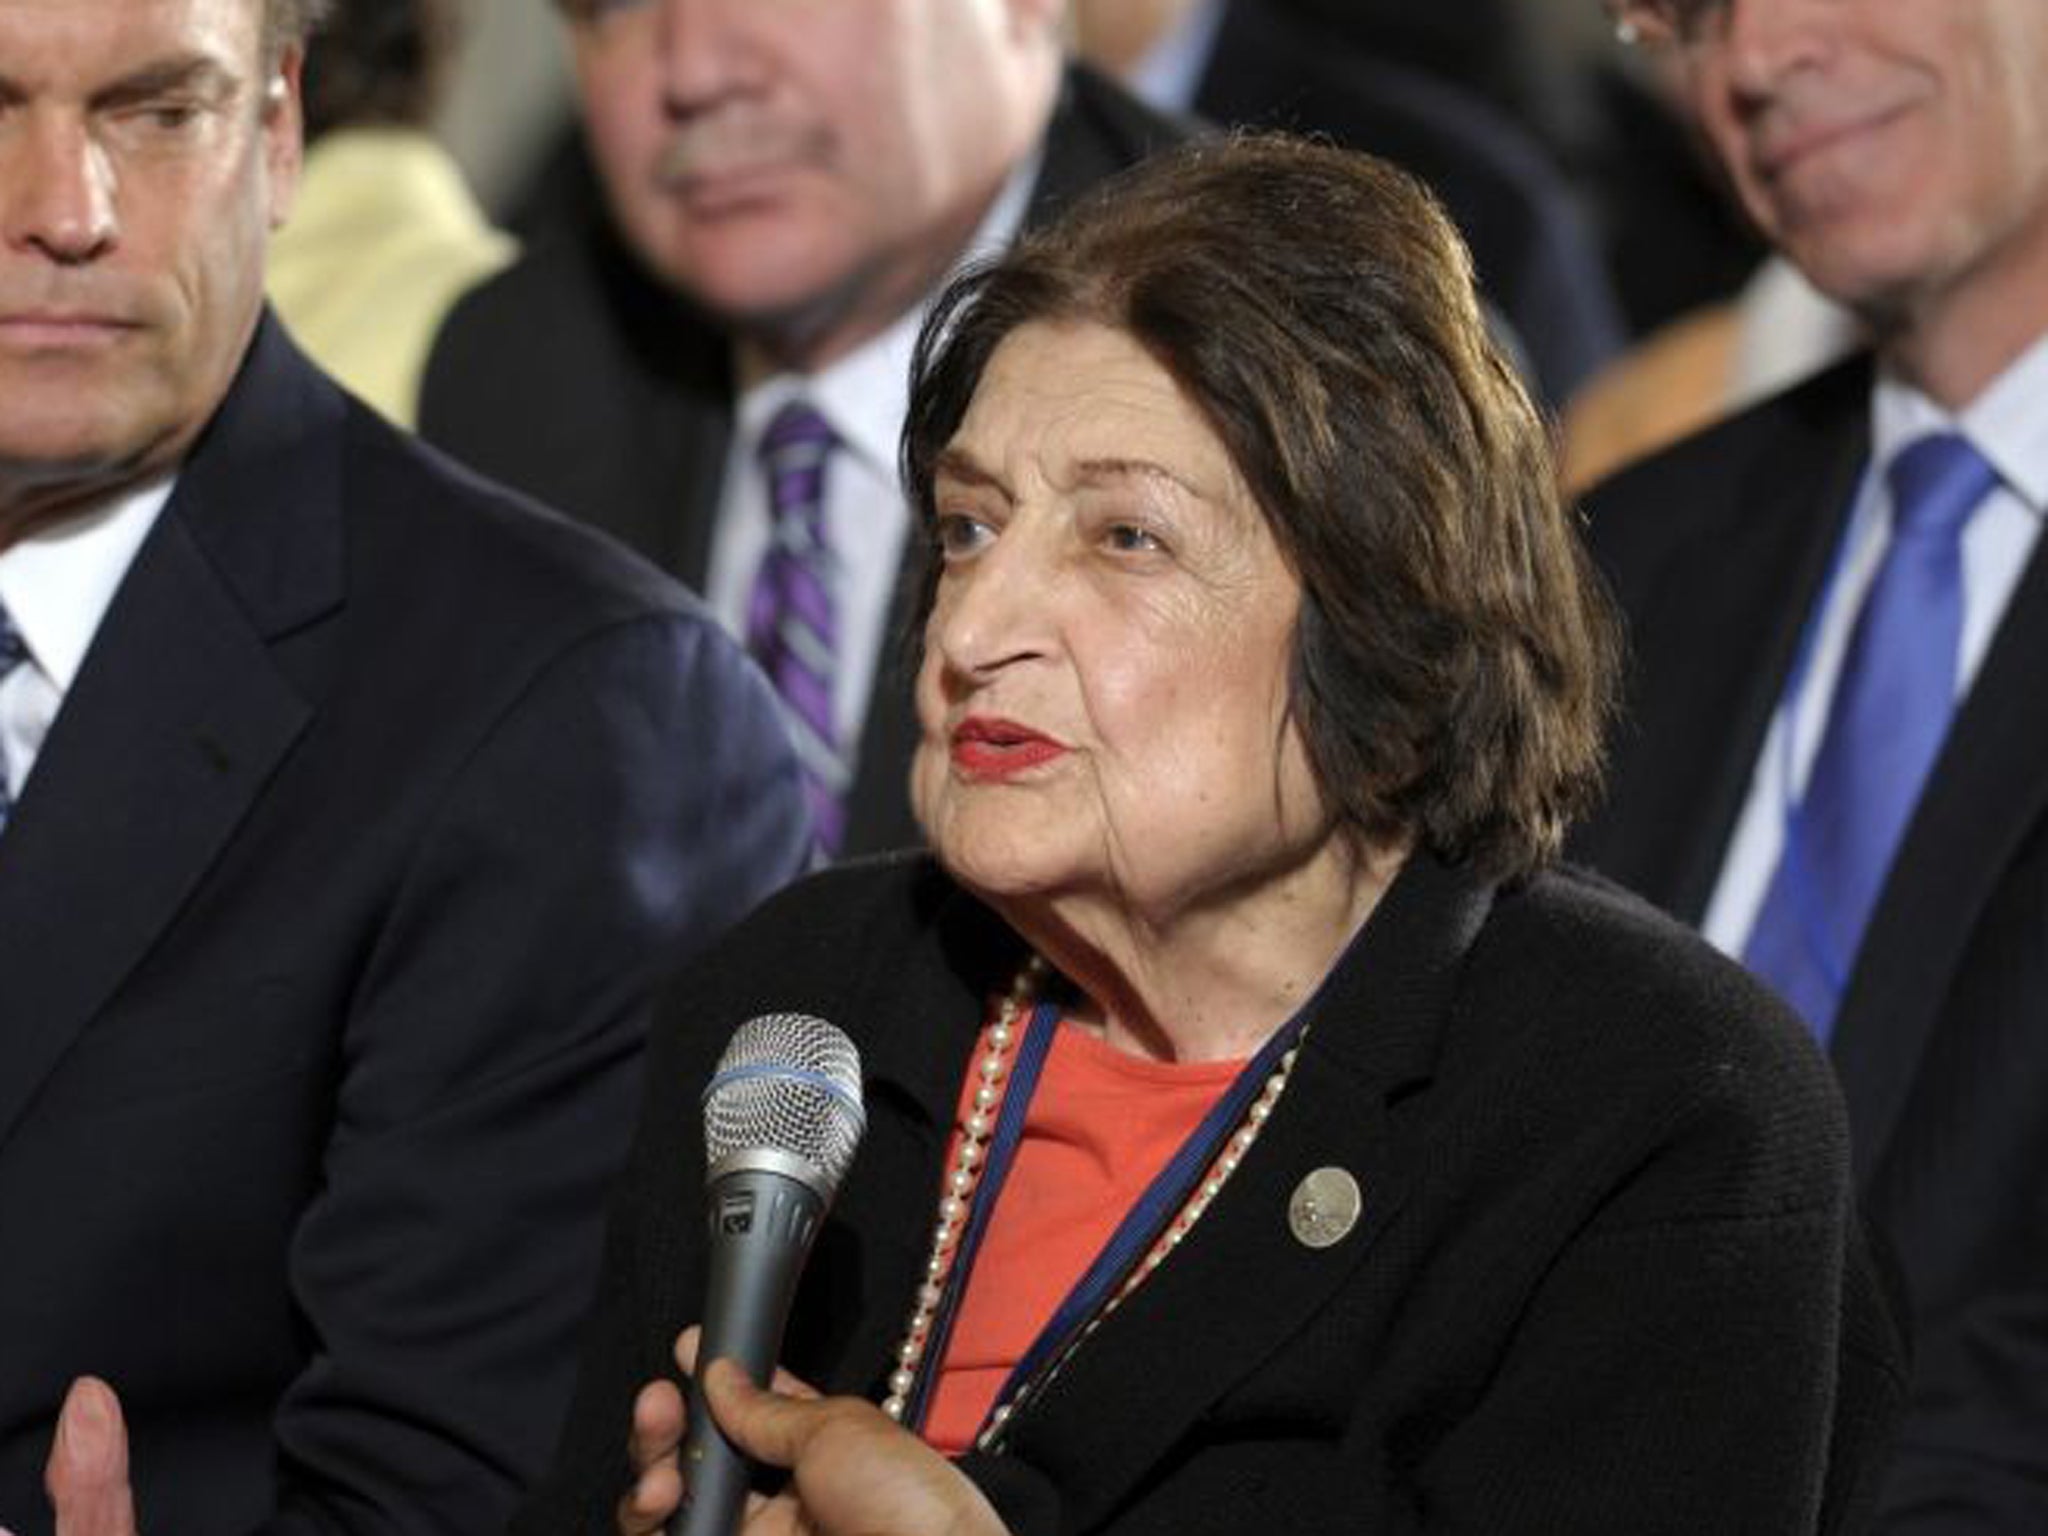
x=880 y=801
x=1988 y=790
x=936 y=1000
x=693 y=445
x=173 y=726
x=1715 y=638
x=658 y=440
x=1097 y=130
x=1230 y=1296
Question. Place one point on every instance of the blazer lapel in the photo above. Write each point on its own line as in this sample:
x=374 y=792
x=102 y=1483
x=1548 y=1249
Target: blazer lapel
x=172 y=727
x=1988 y=791
x=1723 y=629
x=1097 y=130
x=1241 y=1285
x=879 y=804
x=693 y=445
x=935 y=1000
x=154 y=758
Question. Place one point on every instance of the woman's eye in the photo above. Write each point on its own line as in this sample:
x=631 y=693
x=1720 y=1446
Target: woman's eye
x=1131 y=539
x=962 y=534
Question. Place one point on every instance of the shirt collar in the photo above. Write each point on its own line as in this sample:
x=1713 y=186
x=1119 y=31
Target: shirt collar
x=863 y=394
x=2005 y=423
x=59 y=582
x=1170 y=72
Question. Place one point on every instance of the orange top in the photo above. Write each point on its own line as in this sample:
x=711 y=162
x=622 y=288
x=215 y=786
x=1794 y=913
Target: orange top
x=1099 y=1129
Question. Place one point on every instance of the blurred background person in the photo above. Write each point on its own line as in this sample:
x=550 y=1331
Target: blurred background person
x=385 y=232
x=1704 y=366
x=1677 y=241
x=1510 y=54
x=1836 y=761
x=712 y=370
x=1258 y=63
x=350 y=809
x=1722 y=322
x=1307 y=1149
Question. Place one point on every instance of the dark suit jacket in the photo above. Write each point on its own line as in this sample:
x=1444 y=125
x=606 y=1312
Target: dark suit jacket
x=1505 y=52
x=1538 y=262
x=1718 y=549
x=577 y=377
x=1605 y=1280
x=327 y=919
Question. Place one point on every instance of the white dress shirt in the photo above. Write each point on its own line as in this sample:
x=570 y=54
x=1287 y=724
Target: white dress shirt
x=1171 y=70
x=57 y=584
x=2009 y=426
x=864 y=396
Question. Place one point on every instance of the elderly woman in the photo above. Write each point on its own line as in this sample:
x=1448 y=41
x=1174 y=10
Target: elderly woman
x=1345 y=1167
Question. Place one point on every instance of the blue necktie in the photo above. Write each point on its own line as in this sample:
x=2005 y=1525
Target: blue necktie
x=1885 y=727
x=12 y=654
x=792 y=619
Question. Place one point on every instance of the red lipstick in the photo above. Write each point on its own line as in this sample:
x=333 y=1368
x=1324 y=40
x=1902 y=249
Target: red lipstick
x=991 y=749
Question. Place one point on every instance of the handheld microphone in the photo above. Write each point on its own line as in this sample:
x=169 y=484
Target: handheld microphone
x=782 y=1118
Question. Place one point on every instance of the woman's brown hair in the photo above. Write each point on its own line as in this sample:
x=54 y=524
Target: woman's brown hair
x=1455 y=656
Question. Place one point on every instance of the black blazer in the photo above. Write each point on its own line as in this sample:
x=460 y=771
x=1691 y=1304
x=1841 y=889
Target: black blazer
x=1505 y=52
x=1718 y=549
x=327 y=918
x=577 y=377
x=1536 y=256
x=1606 y=1278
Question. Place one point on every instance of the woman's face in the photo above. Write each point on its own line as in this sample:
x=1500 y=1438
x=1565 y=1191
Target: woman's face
x=1104 y=695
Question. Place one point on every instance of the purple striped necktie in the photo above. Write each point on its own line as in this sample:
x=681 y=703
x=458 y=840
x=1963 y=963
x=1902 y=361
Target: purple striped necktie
x=13 y=652
x=792 y=615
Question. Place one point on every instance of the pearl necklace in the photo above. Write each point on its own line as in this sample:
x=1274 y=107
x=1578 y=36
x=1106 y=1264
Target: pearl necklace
x=958 y=1189
x=957 y=1195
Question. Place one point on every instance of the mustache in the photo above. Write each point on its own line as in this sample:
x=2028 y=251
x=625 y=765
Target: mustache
x=736 y=139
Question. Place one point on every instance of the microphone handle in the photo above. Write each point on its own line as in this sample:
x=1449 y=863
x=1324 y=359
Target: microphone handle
x=761 y=1226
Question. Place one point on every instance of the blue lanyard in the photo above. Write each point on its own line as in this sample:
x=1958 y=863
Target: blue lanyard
x=1134 y=1236
x=995 y=1168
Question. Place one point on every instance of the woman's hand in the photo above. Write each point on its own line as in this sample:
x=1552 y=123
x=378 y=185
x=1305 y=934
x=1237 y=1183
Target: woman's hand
x=853 y=1470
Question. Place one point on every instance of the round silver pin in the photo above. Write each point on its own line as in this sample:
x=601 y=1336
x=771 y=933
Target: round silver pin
x=1325 y=1208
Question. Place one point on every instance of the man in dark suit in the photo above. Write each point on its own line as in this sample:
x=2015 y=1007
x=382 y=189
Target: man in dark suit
x=1835 y=757
x=347 y=805
x=1253 y=63
x=777 y=221
x=1506 y=52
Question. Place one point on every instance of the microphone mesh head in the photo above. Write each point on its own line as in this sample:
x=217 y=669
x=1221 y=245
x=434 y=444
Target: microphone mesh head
x=789 y=1084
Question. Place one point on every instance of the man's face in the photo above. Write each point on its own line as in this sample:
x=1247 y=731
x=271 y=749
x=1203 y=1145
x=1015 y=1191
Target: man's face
x=144 y=157
x=1894 y=149
x=805 y=169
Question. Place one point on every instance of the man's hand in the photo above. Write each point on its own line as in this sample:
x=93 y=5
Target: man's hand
x=852 y=1469
x=655 y=1447
x=87 y=1473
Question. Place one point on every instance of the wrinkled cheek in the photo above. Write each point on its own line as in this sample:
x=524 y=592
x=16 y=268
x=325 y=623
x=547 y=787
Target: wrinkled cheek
x=1157 y=804
x=929 y=763
x=928 y=784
